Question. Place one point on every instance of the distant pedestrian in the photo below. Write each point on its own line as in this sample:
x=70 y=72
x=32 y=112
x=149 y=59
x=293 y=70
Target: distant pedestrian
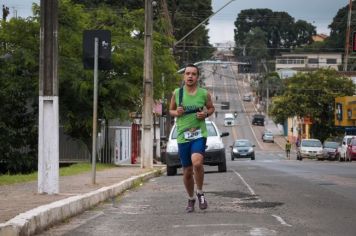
x=297 y=143
x=288 y=147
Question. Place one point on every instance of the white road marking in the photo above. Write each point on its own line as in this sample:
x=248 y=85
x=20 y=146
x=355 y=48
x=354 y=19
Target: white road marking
x=262 y=232
x=247 y=185
x=248 y=118
x=205 y=225
x=280 y=219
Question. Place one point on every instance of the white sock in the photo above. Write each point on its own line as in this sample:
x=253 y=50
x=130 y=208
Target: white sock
x=200 y=191
x=191 y=198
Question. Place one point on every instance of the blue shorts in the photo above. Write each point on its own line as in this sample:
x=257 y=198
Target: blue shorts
x=185 y=150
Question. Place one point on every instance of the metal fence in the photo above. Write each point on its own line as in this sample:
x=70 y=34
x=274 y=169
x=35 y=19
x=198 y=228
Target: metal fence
x=113 y=146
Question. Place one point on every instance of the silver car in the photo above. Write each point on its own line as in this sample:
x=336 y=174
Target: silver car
x=267 y=136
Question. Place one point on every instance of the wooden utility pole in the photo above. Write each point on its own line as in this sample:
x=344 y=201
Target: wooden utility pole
x=147 y=135
x=347 y=44
x=48 y=127
x=169 y=30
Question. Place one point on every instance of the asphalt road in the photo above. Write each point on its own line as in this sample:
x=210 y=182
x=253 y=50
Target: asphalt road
x=268 y=196
x=262 y=197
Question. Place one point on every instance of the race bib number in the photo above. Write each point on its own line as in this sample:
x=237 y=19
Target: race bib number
x=191 y=135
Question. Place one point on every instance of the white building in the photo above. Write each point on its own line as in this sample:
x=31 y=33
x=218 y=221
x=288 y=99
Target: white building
x=308 y=61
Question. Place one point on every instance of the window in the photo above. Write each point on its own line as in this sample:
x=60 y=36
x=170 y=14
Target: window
x=330 y=61
x=211 y=129
x=313 y=60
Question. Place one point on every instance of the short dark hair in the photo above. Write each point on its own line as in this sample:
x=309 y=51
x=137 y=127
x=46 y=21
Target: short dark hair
x=192 y=65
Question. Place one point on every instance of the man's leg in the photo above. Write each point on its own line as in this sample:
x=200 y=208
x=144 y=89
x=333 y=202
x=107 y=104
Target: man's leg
x=188 y=180
x=197 y=160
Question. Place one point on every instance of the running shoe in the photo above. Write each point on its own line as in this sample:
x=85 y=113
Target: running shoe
x=203 y=204
x=190 y=207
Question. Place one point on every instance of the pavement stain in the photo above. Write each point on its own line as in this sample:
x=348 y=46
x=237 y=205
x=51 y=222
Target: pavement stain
x=262 y=204
x=231 y=194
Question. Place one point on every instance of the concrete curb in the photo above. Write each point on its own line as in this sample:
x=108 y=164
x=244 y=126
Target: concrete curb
x=40 y=218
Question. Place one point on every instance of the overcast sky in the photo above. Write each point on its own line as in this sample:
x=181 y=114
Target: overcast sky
x=221 y=27
x=320 y=13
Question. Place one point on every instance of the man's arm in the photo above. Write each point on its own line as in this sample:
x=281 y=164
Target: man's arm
x=209 y=108
x=173 y=109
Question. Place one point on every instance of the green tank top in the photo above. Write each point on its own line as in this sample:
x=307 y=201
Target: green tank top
x=189 y=121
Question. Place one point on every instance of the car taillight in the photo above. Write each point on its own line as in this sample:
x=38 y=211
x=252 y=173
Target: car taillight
x=353 y=148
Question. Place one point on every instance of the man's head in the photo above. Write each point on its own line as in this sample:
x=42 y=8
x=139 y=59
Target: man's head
x=191 y=74
x=194 y=66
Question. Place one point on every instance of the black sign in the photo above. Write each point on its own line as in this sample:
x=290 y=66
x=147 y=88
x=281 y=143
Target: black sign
x=104 y=57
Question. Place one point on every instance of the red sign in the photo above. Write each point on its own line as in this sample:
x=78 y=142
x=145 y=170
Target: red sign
x=354 y=42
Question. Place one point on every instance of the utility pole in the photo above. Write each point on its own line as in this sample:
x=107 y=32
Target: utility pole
x=95 y=110
x=347 y=44
x=48 y=127
x=267 y=95
x=147 y=136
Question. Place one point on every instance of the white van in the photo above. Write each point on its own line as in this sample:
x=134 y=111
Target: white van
x=345 y=142
x=229 y=119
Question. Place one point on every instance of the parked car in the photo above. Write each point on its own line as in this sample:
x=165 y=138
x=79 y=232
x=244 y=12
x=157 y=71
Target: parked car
x=258 y=119
x=310 y=148
x=331 y=150
x=267 y=136
x=214 y=153
x=345 y=142
x=351 y=150
x=246 y=98
x=242 y=148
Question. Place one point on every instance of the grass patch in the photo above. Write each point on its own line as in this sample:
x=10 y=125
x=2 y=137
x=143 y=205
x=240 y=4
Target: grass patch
x=63 y=171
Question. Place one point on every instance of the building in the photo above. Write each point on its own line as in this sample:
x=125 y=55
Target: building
x=308 y=61
x=224 y=51
x=345 y=111
x=319 y=37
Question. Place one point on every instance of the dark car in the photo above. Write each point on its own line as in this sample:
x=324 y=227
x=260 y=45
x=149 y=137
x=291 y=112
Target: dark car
x=246 y=98
x=258 y=119
x=331 y=150
x=242 y=148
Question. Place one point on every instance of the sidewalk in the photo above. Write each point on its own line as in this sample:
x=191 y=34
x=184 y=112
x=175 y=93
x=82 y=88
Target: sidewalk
x=23 y=211
x=279 y=138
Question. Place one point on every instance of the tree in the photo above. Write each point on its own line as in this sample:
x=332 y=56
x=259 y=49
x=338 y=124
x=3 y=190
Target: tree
x=312 y=95
x=18 y=95
x=255 y=43
x=273 y=83
x=185 y=15
x=336 y=41
x=281 y=31
x=120 y=90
